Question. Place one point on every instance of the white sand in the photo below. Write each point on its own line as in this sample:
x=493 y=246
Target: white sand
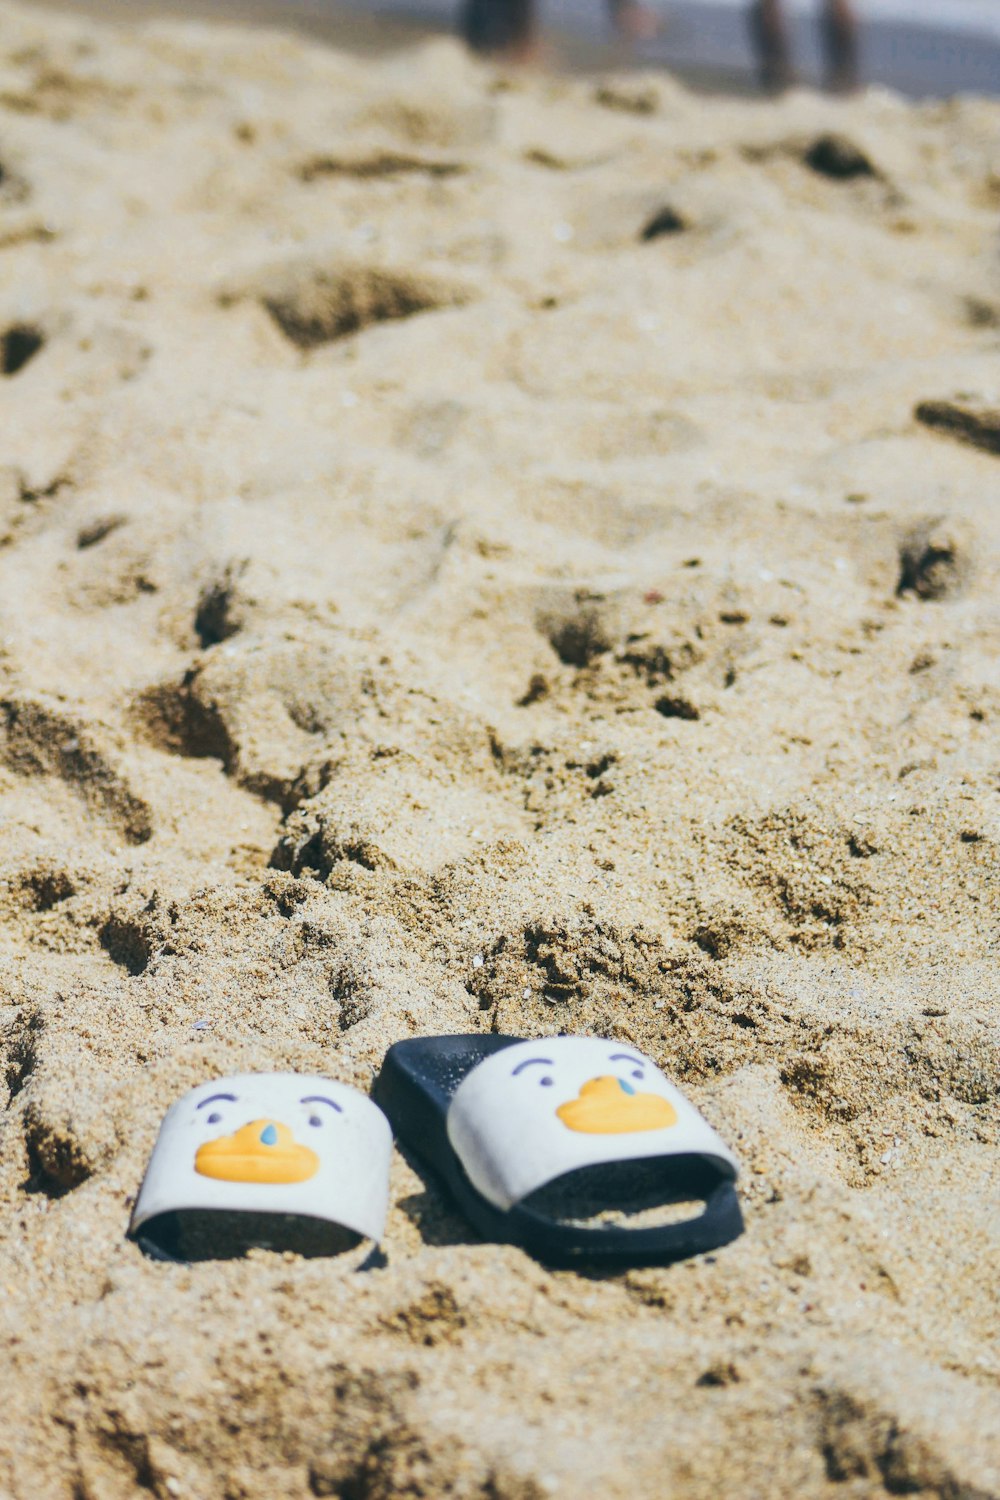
x=612 y=618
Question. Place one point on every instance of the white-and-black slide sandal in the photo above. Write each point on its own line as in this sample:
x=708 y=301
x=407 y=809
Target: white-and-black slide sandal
x=577 y=1149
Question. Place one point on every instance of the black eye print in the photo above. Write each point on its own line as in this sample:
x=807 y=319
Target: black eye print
x=214 y=1119
x=546 y=1083
x=315 y=1120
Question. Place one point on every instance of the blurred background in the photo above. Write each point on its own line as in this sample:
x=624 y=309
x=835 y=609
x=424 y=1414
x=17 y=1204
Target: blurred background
x=924 y=48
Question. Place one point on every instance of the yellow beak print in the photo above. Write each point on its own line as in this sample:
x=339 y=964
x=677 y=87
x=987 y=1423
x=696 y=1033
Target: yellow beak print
x=609 y=1106
x=262 y=1151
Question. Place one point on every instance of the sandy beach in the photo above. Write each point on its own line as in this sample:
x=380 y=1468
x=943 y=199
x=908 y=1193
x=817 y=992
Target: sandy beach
x=483 y=551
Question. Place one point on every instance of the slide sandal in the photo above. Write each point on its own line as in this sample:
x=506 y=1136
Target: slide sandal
x=537 y=1140
x=282 y=1161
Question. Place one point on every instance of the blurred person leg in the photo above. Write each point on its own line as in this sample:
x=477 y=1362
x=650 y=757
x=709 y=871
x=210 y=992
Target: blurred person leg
x=499 y=26
x=840 y=45
x=633 y=20
x=770 y=39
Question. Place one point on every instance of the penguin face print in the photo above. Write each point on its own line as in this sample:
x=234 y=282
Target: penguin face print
x=614 y=1101
x=534 y=1111
x=279 y=1146
x=281 y=1143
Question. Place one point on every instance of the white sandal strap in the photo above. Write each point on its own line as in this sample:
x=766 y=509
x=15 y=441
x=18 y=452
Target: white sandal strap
x=283 y=1143
x=534 y=1111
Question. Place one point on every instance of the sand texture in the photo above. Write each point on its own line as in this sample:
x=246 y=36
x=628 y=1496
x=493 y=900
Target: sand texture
x=487 y=552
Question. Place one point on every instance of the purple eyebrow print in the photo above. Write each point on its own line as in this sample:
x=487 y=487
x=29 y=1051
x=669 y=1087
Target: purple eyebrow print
x=321 y=1099
x=214 y=1098
x=627 y=1057
x=530 y=1062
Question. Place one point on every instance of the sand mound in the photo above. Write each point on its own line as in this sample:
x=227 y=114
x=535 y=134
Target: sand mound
x=487 y=552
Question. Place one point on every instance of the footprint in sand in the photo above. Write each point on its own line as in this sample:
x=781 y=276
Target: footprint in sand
x=18 y=346
x=314 y=305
